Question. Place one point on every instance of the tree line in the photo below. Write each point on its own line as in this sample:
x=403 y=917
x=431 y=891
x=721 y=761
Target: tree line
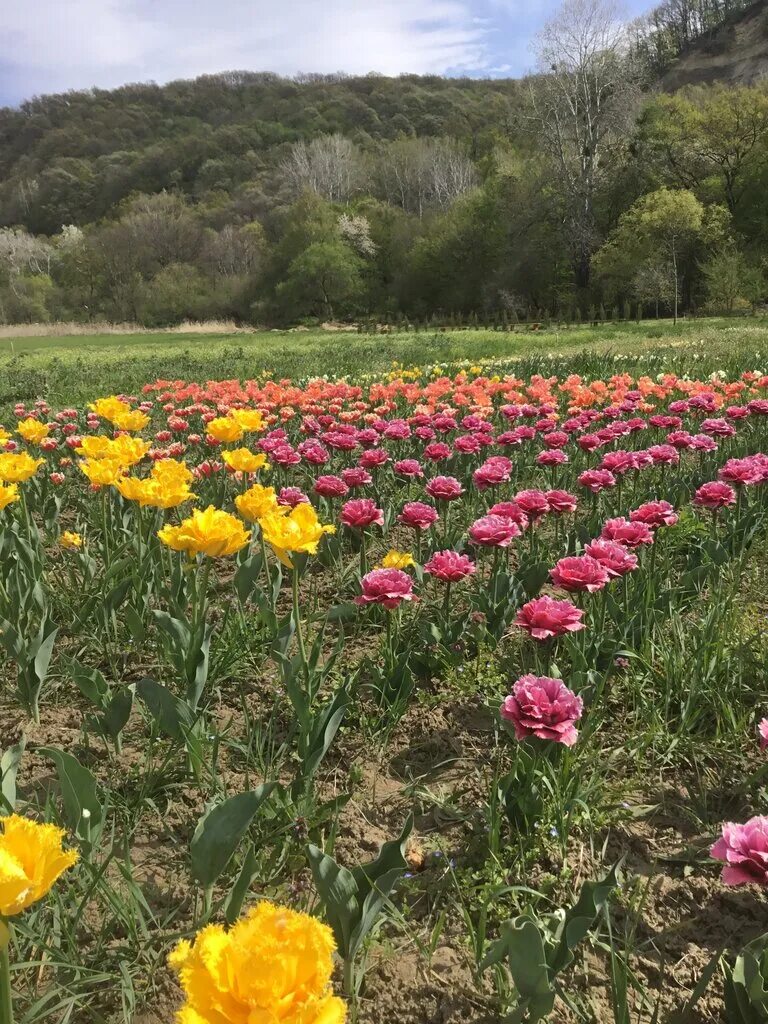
x=579 y=189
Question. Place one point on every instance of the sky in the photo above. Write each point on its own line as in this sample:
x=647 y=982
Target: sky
x=55 y=45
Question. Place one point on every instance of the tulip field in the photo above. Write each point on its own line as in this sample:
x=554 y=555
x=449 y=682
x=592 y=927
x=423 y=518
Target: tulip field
x=435 y=693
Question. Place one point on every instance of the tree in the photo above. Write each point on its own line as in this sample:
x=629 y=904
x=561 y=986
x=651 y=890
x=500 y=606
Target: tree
x=582 y=104
x=329 y=165
x=705 y=133
x=423 y=174
x=325 y=279
x=659 y=223
x=654 y=283
x=728 y=277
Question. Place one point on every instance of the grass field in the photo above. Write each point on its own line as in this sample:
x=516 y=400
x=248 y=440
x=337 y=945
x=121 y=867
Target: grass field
x=74 y=368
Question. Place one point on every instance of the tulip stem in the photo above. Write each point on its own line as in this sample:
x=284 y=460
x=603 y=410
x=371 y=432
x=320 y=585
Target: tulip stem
x=297 y=624
x=6 y=997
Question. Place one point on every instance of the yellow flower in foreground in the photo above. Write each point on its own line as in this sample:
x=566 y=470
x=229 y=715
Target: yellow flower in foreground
x=15 y=468
x=244 y=461
x=8 y=493
x=153 y=492
x=273 y=967
x=132 y=419
x=31 y=859
x=70 y=540
x=299 y=532
x=249 y=420
x=102 y=472
x=257 y=502
x=211 y=532
x=125 y=450
x=32 y=430
x=225 y=429
x=110 y=408
x=169 y=471
x=396 y=560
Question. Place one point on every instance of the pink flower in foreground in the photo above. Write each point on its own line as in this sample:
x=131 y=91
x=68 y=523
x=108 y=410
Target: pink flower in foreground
x=762 y=730
x=510 y=510
x=387 y=587
x=743 y=849
x=597 y=480
x=580 y=572
x=418 y=515
x=444 y=488
x=654 y=514
x=359 y=513
x=741 y=472
x=561 y=501
x=533 y=502
x=714 y=495
x=449 y=566
x=622 y=531
x=292 y=496
x=544 y=617
x=330 y=487
x=616 y=559
x=494 y=531
x=408 y=467
x=543 y=707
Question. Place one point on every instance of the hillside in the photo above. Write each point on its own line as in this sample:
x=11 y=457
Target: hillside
x=736 y=53
x=71 y=158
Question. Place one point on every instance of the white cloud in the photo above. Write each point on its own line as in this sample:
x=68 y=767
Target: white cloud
x=53 y=45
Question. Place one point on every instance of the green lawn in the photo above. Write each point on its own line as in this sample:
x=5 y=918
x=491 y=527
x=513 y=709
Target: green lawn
x=72 y=369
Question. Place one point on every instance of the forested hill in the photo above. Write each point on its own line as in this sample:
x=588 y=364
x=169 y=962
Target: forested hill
x=736 y=51
x=582 y=191
x=71 y=158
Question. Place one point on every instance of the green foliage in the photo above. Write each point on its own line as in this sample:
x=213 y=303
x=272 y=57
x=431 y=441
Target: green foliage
x=537 y=949
x=746 y=984
x=275 y=202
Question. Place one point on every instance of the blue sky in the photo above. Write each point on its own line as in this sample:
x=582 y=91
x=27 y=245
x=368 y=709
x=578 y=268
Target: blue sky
x=55 y=45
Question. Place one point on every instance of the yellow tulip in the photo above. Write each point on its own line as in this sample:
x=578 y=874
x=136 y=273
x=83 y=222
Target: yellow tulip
x=225 y=429
x=70 y=540
x=133 y=419
x=31 y=859
x=32 y=430
x=211 y=532
x=110 y=409
x=154 y=492
x=15 y=468
x=257 y=502
x=102 y=472
x=299 y=532
x=396 y=560
x=274 y=965
x=126 y=451
x=241 y=460
x=171 y=471
x=8 y=493
x=249 y=420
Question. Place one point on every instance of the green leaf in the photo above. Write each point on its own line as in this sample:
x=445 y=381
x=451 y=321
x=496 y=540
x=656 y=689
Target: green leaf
x=220 y=831
x=79 y=793
x=233 y=904
x=9 y=767
x=338 y=893
x=90 y=682
x=173 y=717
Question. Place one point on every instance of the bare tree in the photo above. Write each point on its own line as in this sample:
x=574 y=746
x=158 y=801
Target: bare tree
x=22 y=253
x=582 y=105
x=423 y=174
x=330 y=165
x=234 y=251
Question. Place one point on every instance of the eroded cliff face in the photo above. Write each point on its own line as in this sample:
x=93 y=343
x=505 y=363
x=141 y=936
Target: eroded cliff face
x=737 y=53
